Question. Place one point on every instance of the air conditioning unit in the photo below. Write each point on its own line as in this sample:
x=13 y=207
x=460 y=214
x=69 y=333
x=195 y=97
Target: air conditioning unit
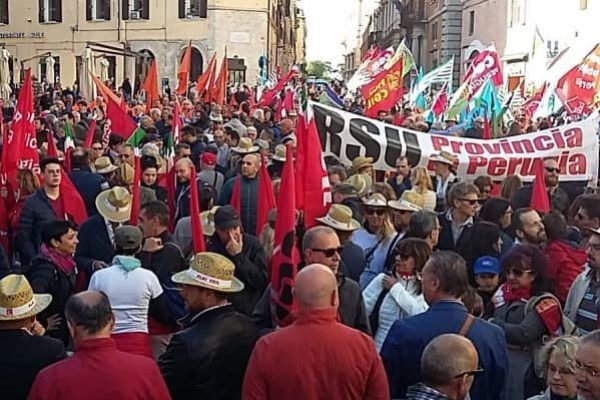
x=135 y=14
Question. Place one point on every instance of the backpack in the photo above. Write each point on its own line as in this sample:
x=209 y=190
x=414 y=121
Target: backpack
x=567 y=327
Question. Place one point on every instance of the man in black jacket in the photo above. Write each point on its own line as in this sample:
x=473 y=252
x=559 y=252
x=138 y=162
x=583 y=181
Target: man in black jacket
x=208 y=360
x=88 y=184
x=457 y=222
x=24 y=348
x=321 y=245
x=246 y=254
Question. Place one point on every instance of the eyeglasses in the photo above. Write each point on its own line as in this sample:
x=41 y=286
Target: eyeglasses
x=518 y=272
x=97 y=148
x=371 y=211
x=551 y=170
x=470 y=373
x=588 y=370
x=330 y=252
x=471 y=202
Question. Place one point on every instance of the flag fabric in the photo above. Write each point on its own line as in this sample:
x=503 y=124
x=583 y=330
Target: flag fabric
x=487 y=129
x=288 y=101
x=104 y=90
x=402 y=52
x=69 y=141
x=531 y=105
x=384 y=92
x=89 y=136
x=487 y=97
x=440 y=102
x=204 y=78
x=220 y=87
x=330 y=98
x=373 y=64
x=211 y=82
x=72 y=201
x=578 y=87
x=266 y=197
x=284 y=263
x=135 y=191
x=269 y=95
x=198 y=244
x=300 y=163
x=177 y=123
x=486 y=66
x=52 y=150
x=150 y=86
x=442 y=74
x=459 y=101
x=183 y=74
x=119 y=123
x=539 y=193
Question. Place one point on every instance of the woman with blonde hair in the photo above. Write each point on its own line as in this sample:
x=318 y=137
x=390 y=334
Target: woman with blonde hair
x=421 y=184
x=375 y=237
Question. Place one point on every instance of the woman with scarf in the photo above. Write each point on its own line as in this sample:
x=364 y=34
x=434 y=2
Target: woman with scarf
x=54 y=272
x=397 y=294
x=133 y=291
x=528 y=314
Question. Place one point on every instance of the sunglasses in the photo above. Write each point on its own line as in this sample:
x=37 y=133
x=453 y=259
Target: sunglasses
x=329 y=252
x=377 y=211
x=97 y=148
x=551 y=170
x=518 y=272
x=470 y=201
x=470 y=373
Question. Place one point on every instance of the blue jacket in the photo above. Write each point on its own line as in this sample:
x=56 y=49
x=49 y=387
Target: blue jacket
x=36 y=212
x=404 y=345
x=248 y=200
x=89 y=185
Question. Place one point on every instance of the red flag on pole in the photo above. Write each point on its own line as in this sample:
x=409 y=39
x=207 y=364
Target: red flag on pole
x=150 y=86
x=104 y=90
x=384 y=91
x=73 y=203
x=220 y=87
x=120 y=123
x=52 y=150
x=268 y=95
x=300 y=166
x=284 y=263
x=539 y=193
x=266 y=197
x=317 y=193
x=89 y=136
x=183 y=76
x=204 y=78
x=440 y=102
x=197 y=235
x=487 y=129
x=211 y=82
x=135 y=192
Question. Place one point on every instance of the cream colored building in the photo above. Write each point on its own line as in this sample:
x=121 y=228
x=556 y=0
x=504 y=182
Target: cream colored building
x=159 y=29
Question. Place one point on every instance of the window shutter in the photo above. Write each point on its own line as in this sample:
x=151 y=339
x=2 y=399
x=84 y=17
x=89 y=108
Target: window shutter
x=41 y=10
x=4 y=11
x=146 y=9
x=124 y=9
x=88 y=10
x=58 y=9
x=106 y=10
x=203 y=8
x=181 y=9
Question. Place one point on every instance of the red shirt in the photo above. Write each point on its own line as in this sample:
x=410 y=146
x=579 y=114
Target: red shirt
x=58 y=207
x=315 y=358
x=99 y=371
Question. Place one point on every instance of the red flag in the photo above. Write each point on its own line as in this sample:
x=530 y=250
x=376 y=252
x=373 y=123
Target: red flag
x=89 y=136
x=104 y=90
x=197 y=235
x=487 y=129
x=300 y=166
x=150 y=86
x=284 y=263
x=485 y=66
x=73 y=203
x=269 y=95
x=317 y=193
x=52 y=149
x=288 y=101
x=119 y=122
x=135 y=192
x=266 y=197
x=183 y=76
x=531 y=105
x=539 y=194
x=204 y=78
x=220 y=87
x=211 y=82
x=384 y=91
x=578 y=87
x=440 y=102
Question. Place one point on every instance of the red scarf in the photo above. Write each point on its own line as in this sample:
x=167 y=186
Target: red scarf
x=65 y=263
x=511 y=295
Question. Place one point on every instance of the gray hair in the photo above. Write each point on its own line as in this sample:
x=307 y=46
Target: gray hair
x=566 y=345
x=445 y=357
x=311 y=235
x=421 y=224
x=459 y=191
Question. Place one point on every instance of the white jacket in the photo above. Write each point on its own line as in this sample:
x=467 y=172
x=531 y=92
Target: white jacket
x=400 y=302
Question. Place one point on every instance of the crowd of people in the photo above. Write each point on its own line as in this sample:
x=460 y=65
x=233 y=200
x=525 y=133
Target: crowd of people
x=414 y=285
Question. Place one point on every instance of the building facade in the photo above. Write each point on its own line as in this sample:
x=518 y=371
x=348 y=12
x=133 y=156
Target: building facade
x=444 y=26
x=32 y=30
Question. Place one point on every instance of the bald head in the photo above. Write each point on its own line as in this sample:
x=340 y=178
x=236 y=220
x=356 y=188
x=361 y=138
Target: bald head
x=316 y=288
x=183 y=168
x=446 y=357
x=90 y=313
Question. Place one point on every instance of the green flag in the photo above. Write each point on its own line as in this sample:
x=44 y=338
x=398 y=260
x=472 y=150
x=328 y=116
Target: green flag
x=69 y=142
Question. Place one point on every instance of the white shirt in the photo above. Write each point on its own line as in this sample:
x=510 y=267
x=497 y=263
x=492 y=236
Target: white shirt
x=129 y=294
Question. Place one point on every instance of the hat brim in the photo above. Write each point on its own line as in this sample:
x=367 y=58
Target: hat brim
x=442 y=160
x=112 y=216
x=184 y=279
x=332 y=223
x=107 y=170
x=42 y=301
x=401 y=205
x=276 y=158
x=249 y=150
x=370 y=203
x=486 y=271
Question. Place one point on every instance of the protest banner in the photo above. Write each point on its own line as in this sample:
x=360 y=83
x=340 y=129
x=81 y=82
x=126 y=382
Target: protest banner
x=346 y=136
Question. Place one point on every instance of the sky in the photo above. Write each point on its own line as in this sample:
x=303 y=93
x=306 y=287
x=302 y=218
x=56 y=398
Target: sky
x=330 y=23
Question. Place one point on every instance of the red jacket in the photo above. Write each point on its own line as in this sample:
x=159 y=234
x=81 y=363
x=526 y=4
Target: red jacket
x=315 y=358
x=565 y=262
x=99 y=371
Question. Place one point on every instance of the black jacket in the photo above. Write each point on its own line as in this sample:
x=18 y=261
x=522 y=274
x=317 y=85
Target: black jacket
x=166 y=261
x=182 y=198
x=353 y=260
x=94 y=244
x=36 y=212
x=45 y=277
x=89 y=185
x=159 y=191
x=446 y=240
x=558 y=201
x=351 y=310
x=208 y=360
x=399 y=188
x=23 y=356
x=250 y=268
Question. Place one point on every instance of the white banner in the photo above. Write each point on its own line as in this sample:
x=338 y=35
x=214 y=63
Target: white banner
x=346 y=136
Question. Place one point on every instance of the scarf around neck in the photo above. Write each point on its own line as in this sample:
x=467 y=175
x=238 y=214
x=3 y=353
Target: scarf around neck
x=127 y=263
x=64 y=263
x=506 y=295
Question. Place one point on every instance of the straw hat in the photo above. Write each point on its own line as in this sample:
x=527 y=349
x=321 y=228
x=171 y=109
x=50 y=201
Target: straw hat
x=361 y=182
x=17 y=300
x=443 y=157
x=207 y=219
x=410 y=201
x=126 y=173
x=375 y=200
x=280 y=153
x=361 y=162
x=245 y=146
x=103 y=165
x=114 y=204
x=339 y=217
x=212 y=271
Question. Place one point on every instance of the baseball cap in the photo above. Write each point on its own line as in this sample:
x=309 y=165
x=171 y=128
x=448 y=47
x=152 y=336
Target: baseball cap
x=227 y=217
x=208 y=158
x=128 y=237
x=486 y=265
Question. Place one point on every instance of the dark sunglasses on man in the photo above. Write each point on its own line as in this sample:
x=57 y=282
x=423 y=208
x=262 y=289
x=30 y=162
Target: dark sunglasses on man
x=329 y=252
x=377 y=211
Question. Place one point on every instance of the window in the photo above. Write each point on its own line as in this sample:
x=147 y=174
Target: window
x=135 y=9
x=3 y=12
x=50 y=10
x=434 y=31
x=471 y=23
x=193 y=8
x=583 y=4
x=237 y=70
x=97 y=10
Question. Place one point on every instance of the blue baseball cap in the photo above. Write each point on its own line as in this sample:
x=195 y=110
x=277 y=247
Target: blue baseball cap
x=486 y=265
